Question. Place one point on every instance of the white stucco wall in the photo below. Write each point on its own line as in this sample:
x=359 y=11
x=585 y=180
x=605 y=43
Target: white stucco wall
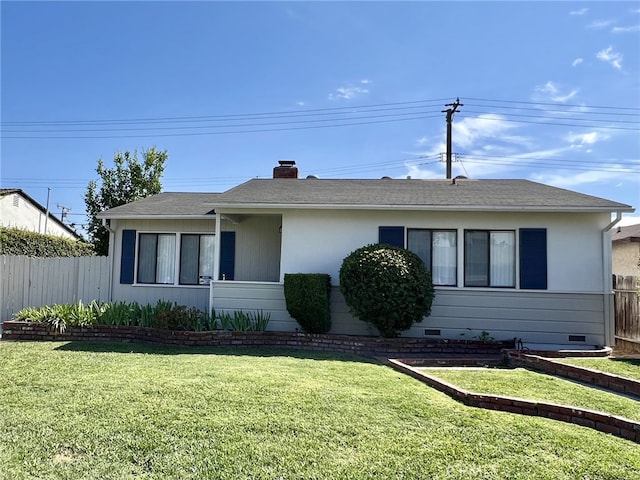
x=28 y=217
x=625 y=258
x=317 y=241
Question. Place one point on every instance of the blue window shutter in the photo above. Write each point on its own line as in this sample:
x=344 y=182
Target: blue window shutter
x=227 y=255
x=128 y=256
x=533 y=258
x=391 y=236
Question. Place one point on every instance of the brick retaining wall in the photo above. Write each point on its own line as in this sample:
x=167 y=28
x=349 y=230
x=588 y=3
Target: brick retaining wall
x=350 y=344
x=609 y=381
x=618 y=426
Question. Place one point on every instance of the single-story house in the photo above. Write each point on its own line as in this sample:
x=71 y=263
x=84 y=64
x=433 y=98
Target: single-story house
x=19 y=210
x=513 y=258
x=626 y=250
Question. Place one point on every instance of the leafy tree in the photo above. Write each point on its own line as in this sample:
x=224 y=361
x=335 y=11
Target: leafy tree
x=386 y=286
x=129 y=180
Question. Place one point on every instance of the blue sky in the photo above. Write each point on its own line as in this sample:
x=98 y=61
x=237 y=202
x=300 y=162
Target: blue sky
x=551 y=92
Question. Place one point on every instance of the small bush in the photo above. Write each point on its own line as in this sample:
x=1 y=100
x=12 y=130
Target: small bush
x=163 y=315
x=308 y=300
x=240 y=321
x=178 y=317
x=58 y=317
x=386 y=286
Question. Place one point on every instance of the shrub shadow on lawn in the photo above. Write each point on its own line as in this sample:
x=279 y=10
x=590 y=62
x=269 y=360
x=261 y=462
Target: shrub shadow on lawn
x=151 y=349
x=629 y=361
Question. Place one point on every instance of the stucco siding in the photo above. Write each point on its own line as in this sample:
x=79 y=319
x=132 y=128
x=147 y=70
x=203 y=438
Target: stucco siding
x=26 y=216
x=317 y=241
x=548 y=318
x=626 y=256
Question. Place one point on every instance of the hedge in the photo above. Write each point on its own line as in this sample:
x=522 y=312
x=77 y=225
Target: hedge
x=16 y=241
x=307 y=296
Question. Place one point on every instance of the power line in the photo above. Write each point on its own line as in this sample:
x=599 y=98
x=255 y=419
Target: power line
x=553 y=104
x=561 y=118
x=190 y=134
x=225 y=125
x=202 y=117
x=608 y=127
x=572 y=110
x=317 y=111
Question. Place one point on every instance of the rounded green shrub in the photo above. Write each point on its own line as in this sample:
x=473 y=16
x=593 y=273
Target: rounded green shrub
x=386 y=286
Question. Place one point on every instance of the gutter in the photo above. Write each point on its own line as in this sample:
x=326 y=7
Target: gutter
x=607 y=290
x=237 y=207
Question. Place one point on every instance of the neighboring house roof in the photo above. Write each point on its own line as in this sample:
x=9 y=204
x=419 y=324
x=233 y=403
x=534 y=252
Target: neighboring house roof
x=626 y=234
x=410 y=194
x=165 y=205
x=10 y=191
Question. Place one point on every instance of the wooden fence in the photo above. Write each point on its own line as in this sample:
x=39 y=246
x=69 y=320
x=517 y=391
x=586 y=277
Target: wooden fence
x=627 y=313
x=34 y=282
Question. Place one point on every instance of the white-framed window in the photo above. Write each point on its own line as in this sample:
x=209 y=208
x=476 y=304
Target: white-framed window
x=490 y=258
x=196 y=259
x=170 y=258
x=439 y=252
x=157 y=258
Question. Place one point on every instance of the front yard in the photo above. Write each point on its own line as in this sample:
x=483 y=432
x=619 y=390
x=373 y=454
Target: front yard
x=624 y=367
x=524 y=384
x=83 y=410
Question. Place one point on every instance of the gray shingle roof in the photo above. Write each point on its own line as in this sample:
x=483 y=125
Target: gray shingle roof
x=375 y=194
x=166 y=204
x=630 y=233
x=421 y=194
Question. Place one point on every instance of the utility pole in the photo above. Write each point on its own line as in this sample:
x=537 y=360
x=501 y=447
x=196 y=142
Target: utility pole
x=450 y=111
x=64 y=211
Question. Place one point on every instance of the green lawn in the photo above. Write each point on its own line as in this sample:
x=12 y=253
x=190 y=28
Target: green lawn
x=117 y=411
x=629 y=368
x=538 y=387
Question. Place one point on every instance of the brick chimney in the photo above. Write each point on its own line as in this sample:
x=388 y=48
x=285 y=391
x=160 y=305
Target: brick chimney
x=286 y=169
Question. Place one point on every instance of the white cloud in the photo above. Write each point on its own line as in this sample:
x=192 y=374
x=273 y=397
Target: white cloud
x=629 y=29
x=470 y=130
x=300 y=104
x=629 y=220
x=570 y=179
x=347 y=93
x=419 y=171
x=580 y=12
x=422 y=141
x=551 y=92
x=599 y=24
x=365 y=81
x=587 y=138
x=610 y=56
x=577 y=62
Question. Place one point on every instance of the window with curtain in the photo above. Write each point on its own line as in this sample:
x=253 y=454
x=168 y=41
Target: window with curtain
x=438 y=251
x=196 y=259
x=156 y=258
x=489 y=258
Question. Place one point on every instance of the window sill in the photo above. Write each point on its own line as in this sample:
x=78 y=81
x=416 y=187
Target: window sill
x=165 y=285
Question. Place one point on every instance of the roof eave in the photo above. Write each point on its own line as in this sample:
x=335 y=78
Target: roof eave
x=457 y=208
x=149 y=216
